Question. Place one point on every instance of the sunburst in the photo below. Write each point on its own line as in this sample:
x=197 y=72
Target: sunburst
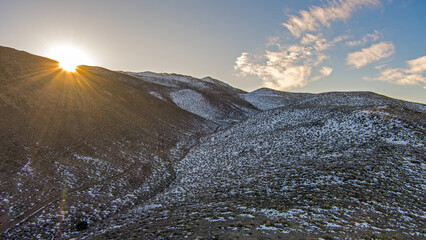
x=69 y=57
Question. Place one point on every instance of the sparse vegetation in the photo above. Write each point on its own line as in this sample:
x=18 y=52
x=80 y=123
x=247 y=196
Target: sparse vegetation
x=135 y=165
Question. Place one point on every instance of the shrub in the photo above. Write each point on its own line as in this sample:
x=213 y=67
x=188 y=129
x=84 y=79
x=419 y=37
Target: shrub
x=81 y=225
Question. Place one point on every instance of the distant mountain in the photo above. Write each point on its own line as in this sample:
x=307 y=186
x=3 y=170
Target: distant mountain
x=266 y=99
x=99 y=154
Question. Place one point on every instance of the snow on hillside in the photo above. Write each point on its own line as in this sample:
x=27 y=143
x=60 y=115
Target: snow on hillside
x=208 y=98
x=316 y=170
x=340 y=165
x=358 y=99
x=171 y=80
x=165 y=76
x=266 y=99
x=217 y=82
x=305 y=133
x=195 y=102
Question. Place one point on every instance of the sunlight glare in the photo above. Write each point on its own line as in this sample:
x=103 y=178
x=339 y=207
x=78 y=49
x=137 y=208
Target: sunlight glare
x=69 y=57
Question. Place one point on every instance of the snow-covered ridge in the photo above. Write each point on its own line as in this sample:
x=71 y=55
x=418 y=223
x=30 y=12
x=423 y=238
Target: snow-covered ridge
x=266 y=99
x=165 y=76
x=215 y=81
x=182 y=81
x=208 y=97
x=169 y=80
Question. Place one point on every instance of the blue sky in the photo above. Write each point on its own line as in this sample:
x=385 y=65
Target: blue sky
x=293 y=45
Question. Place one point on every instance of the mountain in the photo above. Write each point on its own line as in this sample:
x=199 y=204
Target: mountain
x=266 y=99
x=208 y=98
x=99 y=154
x=90 y=129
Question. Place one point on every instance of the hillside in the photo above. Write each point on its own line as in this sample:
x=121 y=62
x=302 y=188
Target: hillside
x=100 y=154
x=78 y=132
x=207 y=97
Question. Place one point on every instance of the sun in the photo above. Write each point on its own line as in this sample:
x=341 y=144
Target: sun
x=69 y=57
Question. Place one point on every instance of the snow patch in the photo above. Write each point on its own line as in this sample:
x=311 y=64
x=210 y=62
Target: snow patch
x=194 y=102
x=157 y=95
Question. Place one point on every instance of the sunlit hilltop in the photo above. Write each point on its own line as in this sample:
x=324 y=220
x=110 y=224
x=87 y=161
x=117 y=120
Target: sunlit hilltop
x=69 y=56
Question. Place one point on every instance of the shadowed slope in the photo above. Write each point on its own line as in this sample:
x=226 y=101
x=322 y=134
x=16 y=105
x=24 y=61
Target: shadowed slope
x=54 y=125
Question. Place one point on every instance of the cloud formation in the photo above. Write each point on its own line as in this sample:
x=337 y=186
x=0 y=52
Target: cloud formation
x=371 y=54
x=324 y=72
x=412 y=75
x=316 y=17
x=278 y=70
x=376 y=35
x=290 y=66
x=286 y=66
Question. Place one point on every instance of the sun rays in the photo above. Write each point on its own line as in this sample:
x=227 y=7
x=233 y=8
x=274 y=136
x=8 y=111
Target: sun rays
x=69 y=57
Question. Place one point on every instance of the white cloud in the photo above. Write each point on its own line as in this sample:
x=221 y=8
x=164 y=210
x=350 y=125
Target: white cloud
x=278 y=70
x=286 y=77
x=376 y=35
x=417 y=65
x=288 y=66
x=412 y=75
x=339 y=38
x=295 y=65
x=316 y=17
x=319 y=43
x=326 y=71
x=371 y=54
x=308 y=39
x=273 y=41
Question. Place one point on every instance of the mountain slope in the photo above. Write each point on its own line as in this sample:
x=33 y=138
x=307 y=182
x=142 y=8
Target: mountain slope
x=99 y=154
x=207 y=97
x=266 y=99
x=294 y=173
x=81 y=131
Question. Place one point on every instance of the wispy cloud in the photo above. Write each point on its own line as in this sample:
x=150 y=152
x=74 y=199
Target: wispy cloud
x=417 y=65
x=316 y=17
x=370 y=37
x=324 y=72
x=339 y=38
x=273 y=41
x=371 y=54
x=412 y=75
